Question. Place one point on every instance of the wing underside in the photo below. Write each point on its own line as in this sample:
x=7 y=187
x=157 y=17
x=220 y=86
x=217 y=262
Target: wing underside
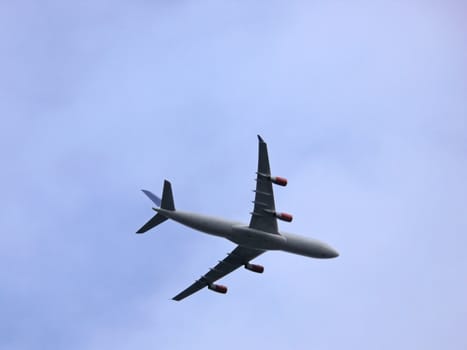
x=238 y=257
x=262 y=217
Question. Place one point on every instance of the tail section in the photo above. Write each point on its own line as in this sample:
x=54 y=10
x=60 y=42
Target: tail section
x=167 y=197
x=167 y=203
x=156 y=220
x=156 y=200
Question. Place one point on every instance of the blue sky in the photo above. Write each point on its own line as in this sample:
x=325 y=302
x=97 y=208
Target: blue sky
x=363 y=106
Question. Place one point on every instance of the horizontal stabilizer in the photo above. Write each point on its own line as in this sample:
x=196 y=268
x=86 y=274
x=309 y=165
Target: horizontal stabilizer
x=155 y=220
x=156 y=200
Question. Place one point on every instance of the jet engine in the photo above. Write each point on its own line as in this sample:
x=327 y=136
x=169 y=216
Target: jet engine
x=281 y=181
x=218 y=288
x=284 y=216
x=254 y=268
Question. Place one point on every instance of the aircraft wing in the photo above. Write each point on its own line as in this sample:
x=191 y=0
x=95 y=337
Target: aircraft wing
x=262 y=217
x=238 y=257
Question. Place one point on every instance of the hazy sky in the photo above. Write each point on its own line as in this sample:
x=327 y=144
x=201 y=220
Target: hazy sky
x=364 y=108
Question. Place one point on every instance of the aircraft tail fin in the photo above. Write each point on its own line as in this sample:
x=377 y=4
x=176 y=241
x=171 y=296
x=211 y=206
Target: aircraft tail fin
x=167 y=197
x=167 y=202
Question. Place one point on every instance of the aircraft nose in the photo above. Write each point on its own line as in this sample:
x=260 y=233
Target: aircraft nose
x=330 y=253
x=333 y=253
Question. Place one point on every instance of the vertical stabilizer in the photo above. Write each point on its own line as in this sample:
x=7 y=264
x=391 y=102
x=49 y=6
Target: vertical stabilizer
x=167 y=197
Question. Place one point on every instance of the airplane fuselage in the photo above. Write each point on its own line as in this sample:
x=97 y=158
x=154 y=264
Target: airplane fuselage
x=243 y=235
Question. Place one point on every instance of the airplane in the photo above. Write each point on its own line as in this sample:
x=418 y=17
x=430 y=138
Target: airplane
x=253 y=239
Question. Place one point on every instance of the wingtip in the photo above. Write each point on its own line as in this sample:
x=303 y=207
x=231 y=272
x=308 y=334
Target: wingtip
x=260 y=139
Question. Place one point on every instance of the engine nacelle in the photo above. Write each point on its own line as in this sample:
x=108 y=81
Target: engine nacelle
x=218 y=288
x=281 y=181
x=284 y=216
x=254 y=268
